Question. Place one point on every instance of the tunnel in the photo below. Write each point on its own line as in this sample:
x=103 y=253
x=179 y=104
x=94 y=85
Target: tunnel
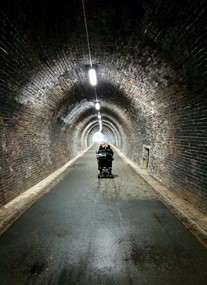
x=150 y=58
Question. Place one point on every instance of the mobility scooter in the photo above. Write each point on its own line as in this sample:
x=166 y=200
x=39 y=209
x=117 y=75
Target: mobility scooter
x=105 y=158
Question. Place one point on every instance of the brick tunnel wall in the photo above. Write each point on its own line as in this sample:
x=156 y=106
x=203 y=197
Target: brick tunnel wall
x=152 y=83
x=176 y=108
x=33 y=145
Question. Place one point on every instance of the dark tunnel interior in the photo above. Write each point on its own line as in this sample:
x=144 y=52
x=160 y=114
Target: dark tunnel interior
x=151 y=63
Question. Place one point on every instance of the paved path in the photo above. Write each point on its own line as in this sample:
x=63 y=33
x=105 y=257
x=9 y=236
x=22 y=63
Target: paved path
x=92 y=231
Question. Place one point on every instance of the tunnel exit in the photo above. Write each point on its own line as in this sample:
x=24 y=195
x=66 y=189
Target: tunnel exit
x=98 y=137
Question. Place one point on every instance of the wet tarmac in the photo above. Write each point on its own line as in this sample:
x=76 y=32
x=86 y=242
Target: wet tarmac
x=100 y=231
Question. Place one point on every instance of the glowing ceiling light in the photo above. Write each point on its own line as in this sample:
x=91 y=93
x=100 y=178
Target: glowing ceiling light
x=99 y=116
x=97 y=106
x=92 y=76
x=100 y=126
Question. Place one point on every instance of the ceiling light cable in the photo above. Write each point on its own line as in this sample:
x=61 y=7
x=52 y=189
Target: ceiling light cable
x=86 y=27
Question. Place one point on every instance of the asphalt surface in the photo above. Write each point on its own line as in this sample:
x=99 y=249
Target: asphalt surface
x=100 y=231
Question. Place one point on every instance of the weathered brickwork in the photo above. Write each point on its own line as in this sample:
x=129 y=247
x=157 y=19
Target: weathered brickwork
x=151 y=59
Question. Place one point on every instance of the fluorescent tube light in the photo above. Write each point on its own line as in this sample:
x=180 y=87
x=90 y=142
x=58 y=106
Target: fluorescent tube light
x=92 y=76
x=97 y=106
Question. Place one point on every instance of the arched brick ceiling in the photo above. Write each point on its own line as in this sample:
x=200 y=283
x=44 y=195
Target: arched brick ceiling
x=151 y=62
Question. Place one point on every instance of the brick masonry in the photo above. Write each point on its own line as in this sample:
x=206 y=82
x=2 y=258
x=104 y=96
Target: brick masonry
x=152 y=73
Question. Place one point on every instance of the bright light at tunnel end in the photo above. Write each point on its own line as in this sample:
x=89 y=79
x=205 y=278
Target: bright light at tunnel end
x=99 y=137
x=92 y=76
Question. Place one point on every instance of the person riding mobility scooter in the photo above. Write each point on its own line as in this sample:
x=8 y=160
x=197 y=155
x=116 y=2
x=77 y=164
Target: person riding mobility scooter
x=105 y=158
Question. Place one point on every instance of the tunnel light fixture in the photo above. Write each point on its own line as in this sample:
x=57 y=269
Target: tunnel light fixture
x=92 y=76
x=97 y=106
x=99 y=116
x=100 y=125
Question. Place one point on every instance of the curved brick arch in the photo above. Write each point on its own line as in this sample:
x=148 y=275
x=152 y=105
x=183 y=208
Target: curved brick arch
x=151 y=62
